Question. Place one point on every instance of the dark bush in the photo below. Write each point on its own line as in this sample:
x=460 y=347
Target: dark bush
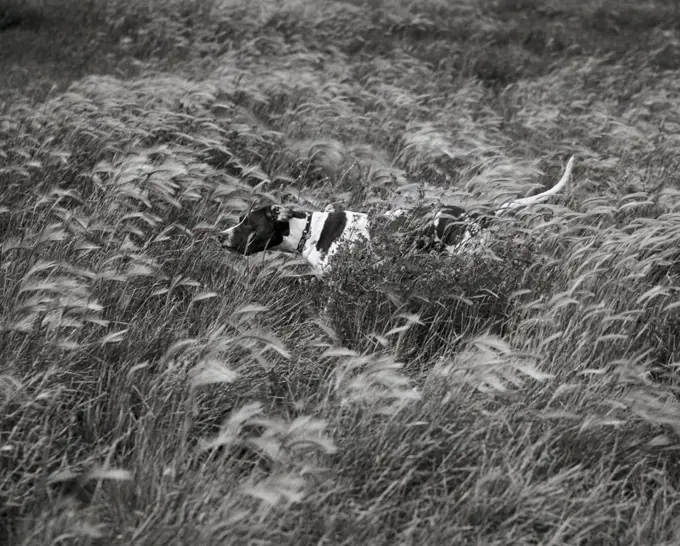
x=454 y=297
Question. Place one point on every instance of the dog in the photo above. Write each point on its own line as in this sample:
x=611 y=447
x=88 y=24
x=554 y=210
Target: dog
x=317 y=236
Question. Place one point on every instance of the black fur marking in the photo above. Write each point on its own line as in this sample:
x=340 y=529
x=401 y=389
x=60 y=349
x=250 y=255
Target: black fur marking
x=332 y=230
x=283 y=228
x=258 y=231
x=455 y=222
x=452 y=225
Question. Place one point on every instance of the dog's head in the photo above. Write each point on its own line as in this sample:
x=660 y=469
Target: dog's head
x=260 y=229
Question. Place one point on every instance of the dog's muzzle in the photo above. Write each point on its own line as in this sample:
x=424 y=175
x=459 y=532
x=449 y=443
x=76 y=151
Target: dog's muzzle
x=227 y=239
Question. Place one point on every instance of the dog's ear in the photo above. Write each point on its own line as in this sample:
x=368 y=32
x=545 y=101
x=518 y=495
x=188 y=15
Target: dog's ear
x=279 y=213
x=334 y=207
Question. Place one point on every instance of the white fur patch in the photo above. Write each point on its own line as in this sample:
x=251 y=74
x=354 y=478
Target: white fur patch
x=355 y=230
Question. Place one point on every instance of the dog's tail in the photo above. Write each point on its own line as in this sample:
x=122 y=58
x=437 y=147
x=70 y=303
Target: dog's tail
x=527 y=201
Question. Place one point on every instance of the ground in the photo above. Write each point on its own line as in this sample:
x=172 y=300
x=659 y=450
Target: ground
x=157 y=390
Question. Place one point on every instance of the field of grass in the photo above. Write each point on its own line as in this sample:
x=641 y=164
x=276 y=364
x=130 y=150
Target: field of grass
x=156 y=390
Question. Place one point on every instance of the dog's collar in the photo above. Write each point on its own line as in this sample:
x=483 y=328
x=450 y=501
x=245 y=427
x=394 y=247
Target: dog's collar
x=305 y=234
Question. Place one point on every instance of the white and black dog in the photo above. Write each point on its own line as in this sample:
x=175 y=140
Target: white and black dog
x=318 y=236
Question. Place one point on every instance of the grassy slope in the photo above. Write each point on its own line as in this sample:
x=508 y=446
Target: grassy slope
x=128 y=337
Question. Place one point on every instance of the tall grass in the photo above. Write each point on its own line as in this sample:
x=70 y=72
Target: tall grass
x=156 y=390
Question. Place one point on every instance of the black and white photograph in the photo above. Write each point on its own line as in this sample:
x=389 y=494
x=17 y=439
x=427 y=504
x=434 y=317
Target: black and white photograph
x=340 y=272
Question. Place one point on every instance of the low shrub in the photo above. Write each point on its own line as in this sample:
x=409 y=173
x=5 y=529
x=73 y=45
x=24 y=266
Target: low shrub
x=453 y=297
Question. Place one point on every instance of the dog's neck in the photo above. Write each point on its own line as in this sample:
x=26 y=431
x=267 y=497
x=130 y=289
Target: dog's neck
x=299 y=231
x=311 y=236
